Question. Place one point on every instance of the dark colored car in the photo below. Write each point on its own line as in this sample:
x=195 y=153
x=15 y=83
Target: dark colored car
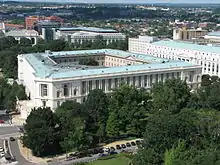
x=138 y=142
x=128 y=144
x=113 y=153
x=118 y=147
x=133 y=143
x=101 y=155
x=12 y=139
x=123 y=146
x=2 y=121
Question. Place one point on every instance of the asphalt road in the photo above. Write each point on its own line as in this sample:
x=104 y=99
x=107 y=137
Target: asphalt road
x=16 y=153
x=8 y=130
x=88 y=159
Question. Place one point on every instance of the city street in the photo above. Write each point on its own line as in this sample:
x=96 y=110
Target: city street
x=6 y=132
x=16 y=153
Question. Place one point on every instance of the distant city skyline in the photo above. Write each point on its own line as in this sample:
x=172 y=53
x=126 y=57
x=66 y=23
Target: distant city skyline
x=124 y=1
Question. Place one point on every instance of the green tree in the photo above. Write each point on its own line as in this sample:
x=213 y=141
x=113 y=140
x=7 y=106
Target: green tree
x=42 y=132
x=171 y=96
x=113 y=125
x=97 y=105
x=25 y=42
x=130 y=105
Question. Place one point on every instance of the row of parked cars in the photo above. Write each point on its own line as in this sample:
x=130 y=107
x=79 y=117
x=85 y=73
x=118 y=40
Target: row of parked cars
x=102 y=151
x=123 y=146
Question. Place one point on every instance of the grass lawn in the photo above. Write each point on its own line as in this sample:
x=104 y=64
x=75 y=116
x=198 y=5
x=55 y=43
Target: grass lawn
x=114 y=161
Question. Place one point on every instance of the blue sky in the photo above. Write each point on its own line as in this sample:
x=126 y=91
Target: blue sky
x=129 y=1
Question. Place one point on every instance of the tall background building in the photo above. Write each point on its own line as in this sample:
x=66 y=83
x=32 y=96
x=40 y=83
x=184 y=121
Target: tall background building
x=188 y=34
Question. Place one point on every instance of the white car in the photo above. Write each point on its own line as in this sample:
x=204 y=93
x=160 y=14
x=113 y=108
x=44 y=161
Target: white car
x=1 y=149
x=2 y=154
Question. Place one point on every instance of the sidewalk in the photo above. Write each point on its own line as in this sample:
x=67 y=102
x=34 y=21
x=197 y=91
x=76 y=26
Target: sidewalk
x=16 y=120
x=27 y=154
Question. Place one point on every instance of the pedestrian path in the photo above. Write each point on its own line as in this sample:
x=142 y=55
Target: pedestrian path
x=9 y=125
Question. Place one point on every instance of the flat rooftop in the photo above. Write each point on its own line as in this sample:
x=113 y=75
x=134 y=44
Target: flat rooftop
x=45 y=67
x=89 y=29
x=190 y=46
x=215 y=34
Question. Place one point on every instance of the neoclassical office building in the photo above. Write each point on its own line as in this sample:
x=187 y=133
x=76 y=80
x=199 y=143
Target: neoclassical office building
x=51 y=78
x=82 y=34
x=207 y=56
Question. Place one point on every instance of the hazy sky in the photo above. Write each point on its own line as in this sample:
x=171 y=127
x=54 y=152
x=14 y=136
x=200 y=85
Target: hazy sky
x=129 y=1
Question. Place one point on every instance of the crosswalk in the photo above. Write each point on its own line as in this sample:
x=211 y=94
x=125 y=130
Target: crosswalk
x=9 y=125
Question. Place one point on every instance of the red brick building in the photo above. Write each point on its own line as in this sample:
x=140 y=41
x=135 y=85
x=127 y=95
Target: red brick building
x=31 y=20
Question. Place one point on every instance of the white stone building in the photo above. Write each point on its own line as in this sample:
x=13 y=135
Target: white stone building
x=81 y=34
x=213 y=37
x=29 y=34
x=51 y=78
x=207 y=56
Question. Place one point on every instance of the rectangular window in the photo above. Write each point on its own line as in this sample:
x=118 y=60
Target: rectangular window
x=128 y=80
x=191 y=76
x=116 y=82
x=44 y=90
x=139 y=81
x=83 y=87
x=65 y=90
x=134 y=80
x=161 y=77
x=90 y=85
x=178 y=74
x=103 y=85
x=156 y=78
x=145 y=80
x=151 y=80
x=109 y=84
x=97 y=84
x=167 y=75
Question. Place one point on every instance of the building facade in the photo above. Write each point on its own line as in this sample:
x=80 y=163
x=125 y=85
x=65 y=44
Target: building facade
x=82 y=34
x=207 y=56
x=32 y=20
x=188 y=34
x=29 y=34
x=51 y=78
x=213 y=37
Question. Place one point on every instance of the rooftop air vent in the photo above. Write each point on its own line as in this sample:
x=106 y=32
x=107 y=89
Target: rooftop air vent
x=42 y=61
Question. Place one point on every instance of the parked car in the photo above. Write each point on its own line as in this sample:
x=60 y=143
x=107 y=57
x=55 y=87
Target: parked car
x=128 y=144
x=100 y=150
x=123 y=146
x=2 y=121
x=106 y=149
x=118 y=147
x=12 y=139
x=2 y=154
x=133 y=143
x=101 y=155
x=138 y=142
x=112 y=149
x=113 y=153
